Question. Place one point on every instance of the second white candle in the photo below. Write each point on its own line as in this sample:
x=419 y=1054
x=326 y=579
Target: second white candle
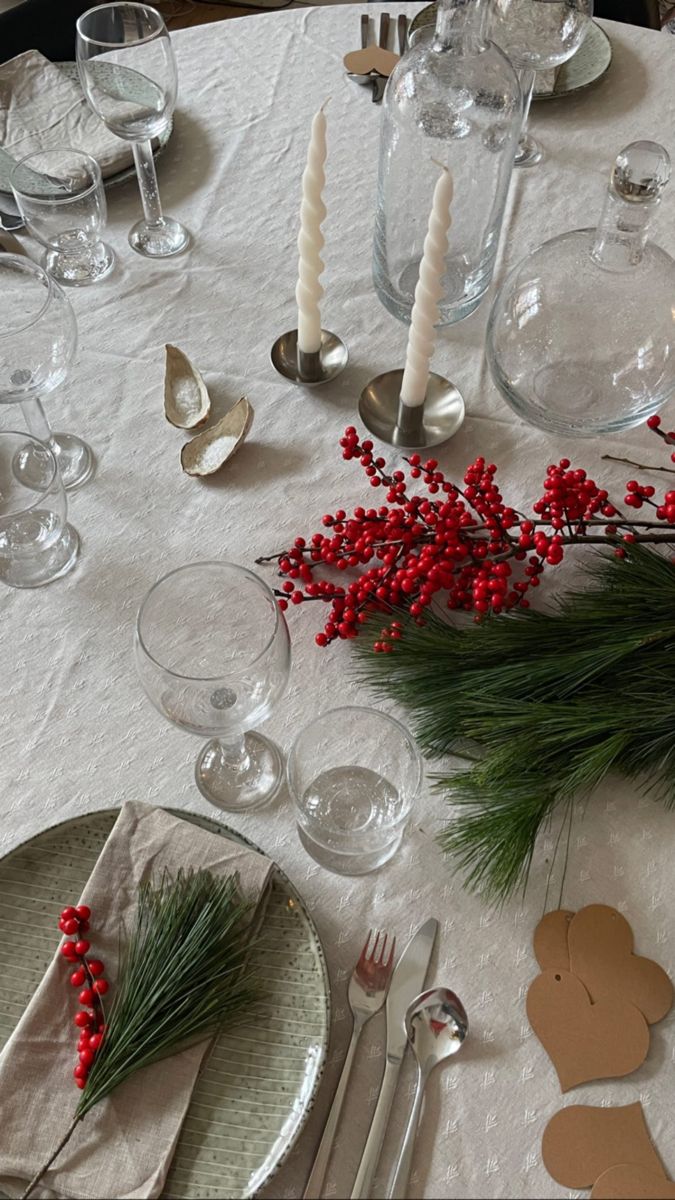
x=427 y=294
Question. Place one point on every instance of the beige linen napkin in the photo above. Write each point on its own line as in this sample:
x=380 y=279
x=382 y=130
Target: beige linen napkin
x=42 y=109
x=124 y=1146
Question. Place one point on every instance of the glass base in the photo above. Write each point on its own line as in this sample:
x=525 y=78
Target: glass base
x=75 y=458
x=159 y=241
x=354 y=863
x=45 y=566
x=529 y=152
x=235 y=783
x=73 y=271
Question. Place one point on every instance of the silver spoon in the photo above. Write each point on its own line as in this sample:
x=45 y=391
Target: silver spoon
x=436 y=1025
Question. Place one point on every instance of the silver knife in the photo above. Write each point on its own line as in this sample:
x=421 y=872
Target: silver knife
x=407 y=982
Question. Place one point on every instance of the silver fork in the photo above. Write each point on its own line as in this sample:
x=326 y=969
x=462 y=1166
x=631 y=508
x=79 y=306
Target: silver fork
x=367 y=994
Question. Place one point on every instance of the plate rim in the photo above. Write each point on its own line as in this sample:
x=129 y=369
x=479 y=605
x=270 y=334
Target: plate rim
x=536 y=95
x=223 y=831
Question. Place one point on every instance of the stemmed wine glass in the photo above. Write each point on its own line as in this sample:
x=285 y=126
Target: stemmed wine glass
x=128 y=74
x=537 y=35
x=213 y=654
x=38 y=336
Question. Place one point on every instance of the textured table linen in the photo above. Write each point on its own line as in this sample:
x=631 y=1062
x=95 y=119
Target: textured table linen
x=77 y=731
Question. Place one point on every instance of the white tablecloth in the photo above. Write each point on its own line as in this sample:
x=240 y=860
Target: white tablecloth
x=77 y=731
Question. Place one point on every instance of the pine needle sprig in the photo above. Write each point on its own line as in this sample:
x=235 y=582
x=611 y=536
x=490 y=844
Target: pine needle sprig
x=182 y=978
x=545 y=705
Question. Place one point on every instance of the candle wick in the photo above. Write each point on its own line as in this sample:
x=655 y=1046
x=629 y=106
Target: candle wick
x=326 y=101
x=439 y=164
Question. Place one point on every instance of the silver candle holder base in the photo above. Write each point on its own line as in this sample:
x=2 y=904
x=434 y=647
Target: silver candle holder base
x=309 y=369
x=428 y=424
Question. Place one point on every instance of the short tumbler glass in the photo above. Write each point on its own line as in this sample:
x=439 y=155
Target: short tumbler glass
x=60 y=196
x=354 y=774
x=36 y=543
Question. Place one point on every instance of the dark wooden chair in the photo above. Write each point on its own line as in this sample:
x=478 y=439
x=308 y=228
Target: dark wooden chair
x=44 y=25
x=631 y=12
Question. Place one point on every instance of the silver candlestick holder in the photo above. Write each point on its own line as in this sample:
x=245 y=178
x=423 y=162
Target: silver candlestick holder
x=387 y=418
x=320 y=366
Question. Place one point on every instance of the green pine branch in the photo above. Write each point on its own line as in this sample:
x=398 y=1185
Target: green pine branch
x=543 y=705
x=181 y=980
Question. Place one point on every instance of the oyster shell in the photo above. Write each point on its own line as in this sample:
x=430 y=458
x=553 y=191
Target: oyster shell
x=186 y=400
x=209 y=451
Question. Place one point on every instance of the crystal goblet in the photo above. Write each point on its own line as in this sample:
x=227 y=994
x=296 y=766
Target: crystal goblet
x=38 y=336
x=128 y=73
x=36 y=543
x=213 y=654
x=537 y=35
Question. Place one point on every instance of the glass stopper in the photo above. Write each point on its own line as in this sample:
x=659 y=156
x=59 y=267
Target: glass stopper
x=641 y=171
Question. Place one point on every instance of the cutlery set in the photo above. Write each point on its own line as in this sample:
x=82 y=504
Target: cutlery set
x=371 y=66
x=433 y=1023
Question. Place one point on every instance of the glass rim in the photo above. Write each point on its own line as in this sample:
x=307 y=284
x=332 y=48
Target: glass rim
x=140 y=41
x=211 y=562
x=359 y=708
x=30 y=268
x=56 y=200
x=43 y=489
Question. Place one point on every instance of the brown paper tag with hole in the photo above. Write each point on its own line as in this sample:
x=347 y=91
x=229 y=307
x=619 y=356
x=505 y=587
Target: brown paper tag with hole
x=581 y=1142
x=585 y=1041
x=550 y=940
x=600 y=944
x=373 y=58
x=631 y=1182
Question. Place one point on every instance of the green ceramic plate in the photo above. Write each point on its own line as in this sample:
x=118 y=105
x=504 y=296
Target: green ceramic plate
x=158 y=143
x=7 y=162
x=252 y=1099
x=587 y=66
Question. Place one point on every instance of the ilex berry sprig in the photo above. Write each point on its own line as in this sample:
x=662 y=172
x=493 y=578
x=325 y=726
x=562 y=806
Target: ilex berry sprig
x=460 y=544
x=88 y=975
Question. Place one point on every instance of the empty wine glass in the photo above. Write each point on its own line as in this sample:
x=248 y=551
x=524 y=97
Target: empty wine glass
x=59 y=194
x=36 y=544
x=537 y=35
x=128 y=74
x=213 y=654
x=38 y=336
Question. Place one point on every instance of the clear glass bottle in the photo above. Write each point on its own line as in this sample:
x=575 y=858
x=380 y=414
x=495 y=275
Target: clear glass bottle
x=453 y=100
x=581 y=337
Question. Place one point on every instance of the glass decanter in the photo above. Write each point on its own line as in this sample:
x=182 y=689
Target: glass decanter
x=452 y=100
x=581 y=337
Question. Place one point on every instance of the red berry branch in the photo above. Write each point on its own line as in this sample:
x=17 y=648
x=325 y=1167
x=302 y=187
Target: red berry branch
x=90 y=1020
x=464 y=541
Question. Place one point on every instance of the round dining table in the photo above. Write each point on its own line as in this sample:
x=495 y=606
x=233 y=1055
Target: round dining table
x=78 y=733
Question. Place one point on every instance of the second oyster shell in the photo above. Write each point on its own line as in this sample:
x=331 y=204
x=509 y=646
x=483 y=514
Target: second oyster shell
x=186 y=401
x=209 y=451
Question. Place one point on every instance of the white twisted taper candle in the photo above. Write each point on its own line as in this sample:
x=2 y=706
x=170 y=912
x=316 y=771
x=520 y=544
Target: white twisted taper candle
x=427 y=294
x=309 y=291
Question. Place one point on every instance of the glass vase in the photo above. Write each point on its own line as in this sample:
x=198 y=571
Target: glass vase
x=452 y=100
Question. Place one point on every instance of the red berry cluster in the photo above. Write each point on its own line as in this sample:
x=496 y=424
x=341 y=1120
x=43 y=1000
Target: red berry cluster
x=88 y=976
x=462 y=541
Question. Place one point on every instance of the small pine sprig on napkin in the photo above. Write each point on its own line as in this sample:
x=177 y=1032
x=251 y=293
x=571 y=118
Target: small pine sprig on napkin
x=182 y=979
x=543 y=705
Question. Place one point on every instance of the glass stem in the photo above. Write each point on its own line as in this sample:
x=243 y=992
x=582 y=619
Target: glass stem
x=38 y=425
x=526 y=77
x=234 y=751
x=147 y=182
